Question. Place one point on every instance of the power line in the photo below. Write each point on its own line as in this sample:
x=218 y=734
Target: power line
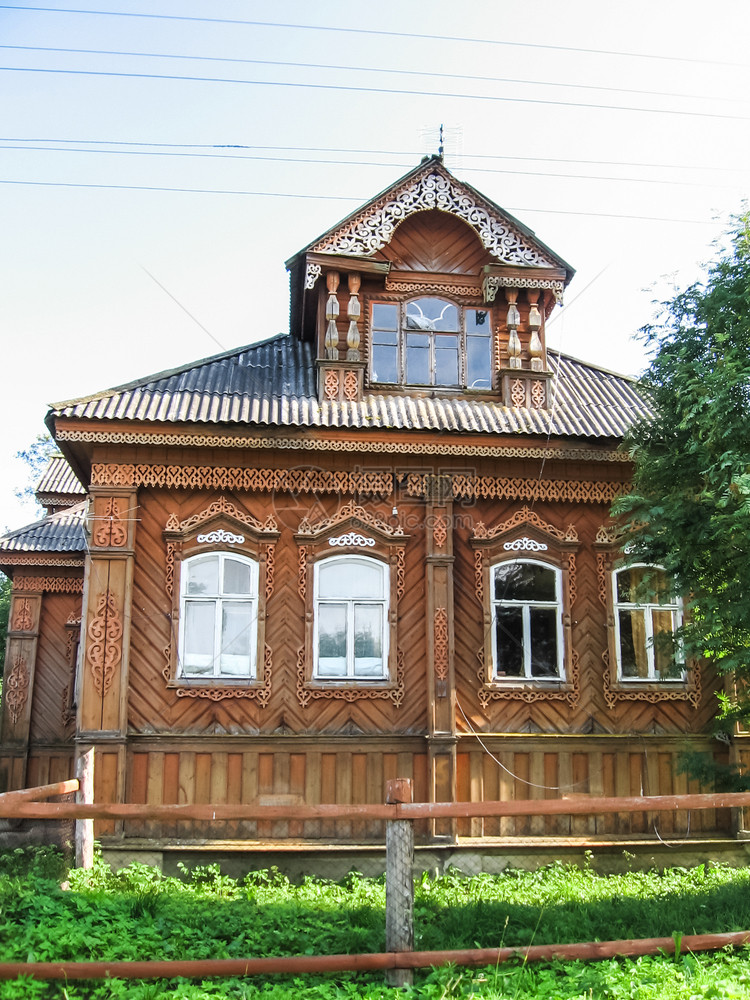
x=376 y=69
x=464 y=40
x=338 y=197
x=359 y=163
x=339 y=88
x=373 y=152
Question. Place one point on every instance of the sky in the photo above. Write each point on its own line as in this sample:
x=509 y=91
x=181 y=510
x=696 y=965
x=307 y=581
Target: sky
x=159 y=161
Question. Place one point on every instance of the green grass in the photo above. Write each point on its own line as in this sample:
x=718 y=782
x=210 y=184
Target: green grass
x=138 y=913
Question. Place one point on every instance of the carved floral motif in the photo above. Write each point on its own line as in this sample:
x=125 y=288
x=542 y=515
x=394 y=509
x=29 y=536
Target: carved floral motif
x=228 y=537
x=51 y=584
x=479 y=575
x=440 y=647
x=538 y=394
x=270 y=568
x=331 y=384
x=351 y=386
x=352 y=538
x=525 y=516
x=110 y=532
x=525 y=544
x=518 y=392
x=104 y=649
x=222 y=506
x=23 y=620
x=17 y=689
x=400 y=573
x=440 y=530
x=302 y=572
x=503 y=488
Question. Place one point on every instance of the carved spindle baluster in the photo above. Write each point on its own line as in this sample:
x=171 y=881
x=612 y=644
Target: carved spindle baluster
x=513 y=321
x=332 y=314
x=354 y=312
x=535 y=323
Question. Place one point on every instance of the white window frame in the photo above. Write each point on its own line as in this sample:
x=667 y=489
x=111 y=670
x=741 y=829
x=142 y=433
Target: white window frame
x=498 y=677
x=218 y=600
x=384 y=604
x=646 y=608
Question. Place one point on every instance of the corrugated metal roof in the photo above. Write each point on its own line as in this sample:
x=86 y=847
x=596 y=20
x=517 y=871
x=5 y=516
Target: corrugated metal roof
x=59 y=479
x=273 y=383
x=62 y=532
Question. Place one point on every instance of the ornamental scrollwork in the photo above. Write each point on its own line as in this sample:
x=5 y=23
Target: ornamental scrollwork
x=23 y=620
x=104 y=649
x=110 y=532
x=221 y=536
x=312 y=273
x=374 y=226
x=465 y=487
x=17 y=689
x=226 y=507
x=259 y=692
x=307 y=693
x=525 y=544
x=525 y=516
x=352 y=538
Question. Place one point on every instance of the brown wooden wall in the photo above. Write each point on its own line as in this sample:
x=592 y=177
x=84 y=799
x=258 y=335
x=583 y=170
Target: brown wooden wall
x=54 y=672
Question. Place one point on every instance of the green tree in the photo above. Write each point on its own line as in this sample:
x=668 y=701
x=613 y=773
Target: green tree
x=689 y=510
x=5 y=588
x=36 y=457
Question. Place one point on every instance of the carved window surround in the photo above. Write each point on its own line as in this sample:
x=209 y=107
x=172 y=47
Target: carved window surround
x=353 y=530
x=220 y=527
x=524 y=534
x=608 y=547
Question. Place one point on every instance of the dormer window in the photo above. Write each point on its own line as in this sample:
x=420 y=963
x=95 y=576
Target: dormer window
x=431 y=341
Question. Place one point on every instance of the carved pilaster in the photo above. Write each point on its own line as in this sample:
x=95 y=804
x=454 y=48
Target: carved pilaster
x=340 y=381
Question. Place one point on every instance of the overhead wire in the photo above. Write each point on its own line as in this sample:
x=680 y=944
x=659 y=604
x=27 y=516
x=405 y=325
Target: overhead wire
x=432 y=74
x=382 y=32
x=396 y=91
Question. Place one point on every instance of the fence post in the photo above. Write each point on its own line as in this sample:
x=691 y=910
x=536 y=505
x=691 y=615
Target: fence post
x=84 y=828
x=399 y=881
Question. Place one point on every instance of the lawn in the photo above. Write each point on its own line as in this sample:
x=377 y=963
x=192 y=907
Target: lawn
x=47 y=913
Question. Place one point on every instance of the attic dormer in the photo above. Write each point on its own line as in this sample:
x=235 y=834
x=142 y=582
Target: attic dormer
x=429 y=288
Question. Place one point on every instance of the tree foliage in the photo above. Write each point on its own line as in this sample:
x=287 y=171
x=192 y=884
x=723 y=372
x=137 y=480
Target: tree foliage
x=36 y=457
x=5 y=589
x=689 y=510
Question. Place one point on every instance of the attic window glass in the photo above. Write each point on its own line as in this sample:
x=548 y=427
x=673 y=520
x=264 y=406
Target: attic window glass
x=431 y=341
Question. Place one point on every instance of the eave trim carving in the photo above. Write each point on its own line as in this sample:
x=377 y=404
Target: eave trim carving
x=374 y=226
x=306 y=443
x=465 y=487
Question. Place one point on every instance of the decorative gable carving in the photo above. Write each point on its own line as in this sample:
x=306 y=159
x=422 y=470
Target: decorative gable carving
x=373 y=226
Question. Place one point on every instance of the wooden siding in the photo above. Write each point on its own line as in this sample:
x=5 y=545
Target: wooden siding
x=53 y=676
x=435 y=242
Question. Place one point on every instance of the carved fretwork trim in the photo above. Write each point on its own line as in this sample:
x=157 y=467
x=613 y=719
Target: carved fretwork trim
x=502 y=488
x=270 y=567
x=259 y=692
x=51 y=584
x=655 y=692
x=525 y=516
x=219 y=507
x=440 y=530
x=491 y=283
x=17 y=689
x=354 y=512
x=306 y=692
x=479 y=575
x=400 y=573
x=440 y=652
x=529 y=691
x=25 y=559
x=601 y=577
x=198 y=477
x=104 y=649
x=432 y=288
x=308 y=443
x=302 y=572
x=110 y=532
x=371 y=228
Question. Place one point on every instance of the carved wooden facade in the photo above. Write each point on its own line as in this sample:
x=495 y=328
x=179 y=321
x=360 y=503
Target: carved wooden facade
x=425 y=487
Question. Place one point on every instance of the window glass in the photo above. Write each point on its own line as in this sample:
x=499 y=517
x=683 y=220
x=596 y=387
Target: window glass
x=509 y=632
x=523 y=581
x=238 y=577
x=198 y=649
x=351 y=617
x=203 y=575
x=385 y=316
x=236 y=634
x=417 y=359
x=479 y=362
x=543 y=635
x=446 y=360
x=432 y=315
x=332 y=634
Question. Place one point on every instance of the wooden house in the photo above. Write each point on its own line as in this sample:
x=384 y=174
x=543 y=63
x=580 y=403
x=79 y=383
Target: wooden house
x=378 y=546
